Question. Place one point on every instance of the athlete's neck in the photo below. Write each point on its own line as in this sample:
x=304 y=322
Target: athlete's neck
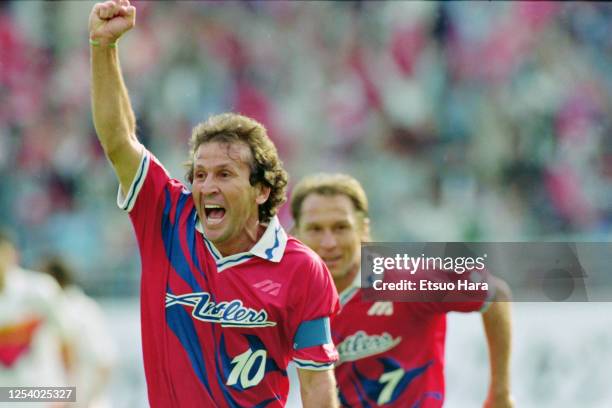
x=243 y=243
x=345 y=281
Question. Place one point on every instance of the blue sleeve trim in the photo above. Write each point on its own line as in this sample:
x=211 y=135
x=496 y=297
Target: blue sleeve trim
x=312 y=365
x=312 y=333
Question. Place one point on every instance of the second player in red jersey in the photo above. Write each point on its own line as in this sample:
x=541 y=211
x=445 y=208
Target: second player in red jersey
x=391 y=353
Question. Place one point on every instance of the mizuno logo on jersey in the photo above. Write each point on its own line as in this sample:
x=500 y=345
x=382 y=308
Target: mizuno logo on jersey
x=381 y=309
x=228 y=314
x=361 y=345
x=268 y=286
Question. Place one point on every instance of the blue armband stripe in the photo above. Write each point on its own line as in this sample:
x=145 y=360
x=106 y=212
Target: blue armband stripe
x=312 y=333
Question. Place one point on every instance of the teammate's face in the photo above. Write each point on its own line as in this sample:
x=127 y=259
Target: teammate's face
x=334 y=230
x=225 y=200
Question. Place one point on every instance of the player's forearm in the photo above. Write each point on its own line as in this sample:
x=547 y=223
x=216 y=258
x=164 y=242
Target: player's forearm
x=498 y=328
x=318 y=389
x=112 y=111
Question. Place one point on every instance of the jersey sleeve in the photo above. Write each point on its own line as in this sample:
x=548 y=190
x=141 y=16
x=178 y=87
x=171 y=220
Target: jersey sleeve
x=148 y=183
x=147 y=195
x=313 y=348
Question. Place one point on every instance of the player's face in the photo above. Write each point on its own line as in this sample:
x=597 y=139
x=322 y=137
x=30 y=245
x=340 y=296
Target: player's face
x=225 y=200
x=333 y=229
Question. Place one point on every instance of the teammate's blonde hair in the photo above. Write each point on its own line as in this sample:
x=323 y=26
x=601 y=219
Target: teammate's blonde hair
x=329 y=184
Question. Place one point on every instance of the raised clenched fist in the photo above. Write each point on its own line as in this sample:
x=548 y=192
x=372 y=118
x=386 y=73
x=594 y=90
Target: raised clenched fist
x=110 y=19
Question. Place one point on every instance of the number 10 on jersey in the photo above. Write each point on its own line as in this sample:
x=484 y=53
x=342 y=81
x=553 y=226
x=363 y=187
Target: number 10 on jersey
x=249 y=368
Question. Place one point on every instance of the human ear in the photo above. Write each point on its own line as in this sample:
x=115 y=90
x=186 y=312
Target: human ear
x=263 y=192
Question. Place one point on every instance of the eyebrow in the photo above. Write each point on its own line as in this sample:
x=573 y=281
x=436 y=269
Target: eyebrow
x=334 y=223
x=222 y=166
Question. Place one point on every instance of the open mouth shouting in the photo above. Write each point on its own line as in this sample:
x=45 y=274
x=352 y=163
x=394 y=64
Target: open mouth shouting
x=214 y=214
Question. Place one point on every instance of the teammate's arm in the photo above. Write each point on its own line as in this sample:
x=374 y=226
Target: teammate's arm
x=318 y=388
x=497 y=326
x=112 y=111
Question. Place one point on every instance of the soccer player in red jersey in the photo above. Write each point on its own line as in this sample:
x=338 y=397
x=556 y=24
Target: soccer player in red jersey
x=391 y=353
x=227 y=298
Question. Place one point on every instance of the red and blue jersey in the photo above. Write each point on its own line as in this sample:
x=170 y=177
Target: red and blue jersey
x=220 y=331
x=392 y=353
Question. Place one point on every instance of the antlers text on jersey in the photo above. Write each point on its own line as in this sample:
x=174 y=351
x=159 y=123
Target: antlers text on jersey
x=361 y=345
x=228 y=314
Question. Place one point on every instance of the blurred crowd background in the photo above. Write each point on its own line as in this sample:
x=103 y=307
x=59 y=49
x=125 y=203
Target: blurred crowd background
x=464 y=121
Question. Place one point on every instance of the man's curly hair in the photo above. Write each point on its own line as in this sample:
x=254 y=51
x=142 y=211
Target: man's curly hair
x=266 y=167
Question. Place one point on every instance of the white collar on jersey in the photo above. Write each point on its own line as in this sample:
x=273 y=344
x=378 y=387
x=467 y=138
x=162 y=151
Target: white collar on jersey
x=271 y=246
x=350 y=291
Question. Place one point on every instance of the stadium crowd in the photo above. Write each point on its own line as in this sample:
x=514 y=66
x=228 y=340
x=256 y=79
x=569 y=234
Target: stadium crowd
x=478 y=121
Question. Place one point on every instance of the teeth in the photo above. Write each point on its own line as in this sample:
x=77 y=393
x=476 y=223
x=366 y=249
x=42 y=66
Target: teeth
x=209 y=208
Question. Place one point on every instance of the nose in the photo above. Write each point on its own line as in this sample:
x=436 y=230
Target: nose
x=208 y=186
x=328 y=241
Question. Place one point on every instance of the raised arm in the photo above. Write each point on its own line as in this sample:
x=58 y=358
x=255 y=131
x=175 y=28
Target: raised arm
x=112 y=111
x=318 y=388
x=497 y=326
